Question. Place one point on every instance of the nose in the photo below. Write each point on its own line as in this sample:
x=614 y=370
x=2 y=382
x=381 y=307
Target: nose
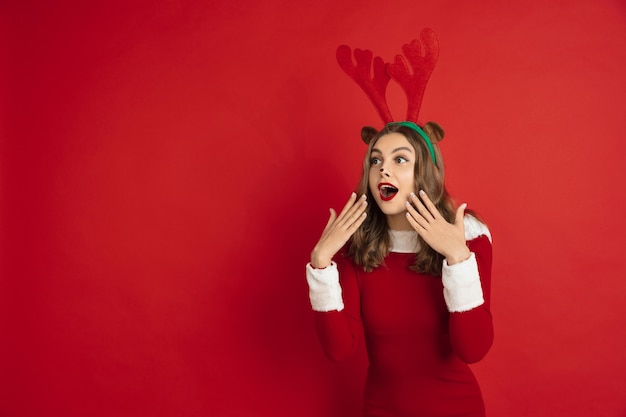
x=384 y=172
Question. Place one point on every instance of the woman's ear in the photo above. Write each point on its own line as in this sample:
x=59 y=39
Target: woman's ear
x=367 y=133
x=434 y=131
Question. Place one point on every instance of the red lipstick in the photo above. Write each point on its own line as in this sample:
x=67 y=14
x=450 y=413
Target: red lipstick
x=387 y=191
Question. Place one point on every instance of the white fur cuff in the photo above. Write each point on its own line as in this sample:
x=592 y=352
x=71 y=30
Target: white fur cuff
x=461 y=285
x=324 y=288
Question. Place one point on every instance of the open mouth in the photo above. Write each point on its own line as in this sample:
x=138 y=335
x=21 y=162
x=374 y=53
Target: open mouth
x=387 y=191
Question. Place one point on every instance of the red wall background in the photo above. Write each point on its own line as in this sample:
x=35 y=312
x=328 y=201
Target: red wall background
x=167 y=166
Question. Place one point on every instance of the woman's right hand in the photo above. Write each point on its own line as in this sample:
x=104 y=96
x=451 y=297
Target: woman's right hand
x=338 y=230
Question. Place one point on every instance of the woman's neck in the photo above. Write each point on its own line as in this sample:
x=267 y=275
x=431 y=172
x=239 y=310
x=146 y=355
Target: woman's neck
x=398 y=222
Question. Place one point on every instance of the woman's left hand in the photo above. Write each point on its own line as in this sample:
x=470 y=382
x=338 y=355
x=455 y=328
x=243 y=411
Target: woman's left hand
x=446 y=238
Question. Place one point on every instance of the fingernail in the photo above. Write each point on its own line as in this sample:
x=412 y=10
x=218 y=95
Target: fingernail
x=422 y=192
x=412 y=194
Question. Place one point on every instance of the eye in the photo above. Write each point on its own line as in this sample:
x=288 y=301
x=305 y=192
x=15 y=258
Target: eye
x=375 y=161
x=401 y=160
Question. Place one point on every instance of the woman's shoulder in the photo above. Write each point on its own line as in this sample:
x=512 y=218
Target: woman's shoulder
x=474 y=228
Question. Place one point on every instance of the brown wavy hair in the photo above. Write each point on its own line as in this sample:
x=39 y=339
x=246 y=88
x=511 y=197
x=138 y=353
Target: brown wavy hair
x=370 y=244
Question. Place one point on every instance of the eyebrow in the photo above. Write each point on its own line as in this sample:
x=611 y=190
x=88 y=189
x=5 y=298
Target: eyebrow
x=401 y=148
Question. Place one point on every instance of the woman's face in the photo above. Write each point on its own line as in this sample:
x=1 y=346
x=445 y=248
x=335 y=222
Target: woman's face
x=392 y=178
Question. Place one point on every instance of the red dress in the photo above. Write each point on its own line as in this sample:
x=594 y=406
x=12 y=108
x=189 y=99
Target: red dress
x=418 y=351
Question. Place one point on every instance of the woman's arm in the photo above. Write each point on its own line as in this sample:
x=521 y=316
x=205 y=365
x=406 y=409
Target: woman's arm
x=471 y=328
x=340 y=329
x=337 y=323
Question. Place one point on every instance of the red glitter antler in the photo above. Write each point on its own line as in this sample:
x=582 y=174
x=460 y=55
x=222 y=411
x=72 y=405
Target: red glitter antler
x=422 y=63
x=375 y=87
x=413 y=84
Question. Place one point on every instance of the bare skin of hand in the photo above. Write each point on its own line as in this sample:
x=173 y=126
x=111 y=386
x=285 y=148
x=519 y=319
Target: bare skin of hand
x=338 y=230
x=446 y=238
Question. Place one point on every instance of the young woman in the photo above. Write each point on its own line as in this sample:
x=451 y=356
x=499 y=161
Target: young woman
x=404 y=265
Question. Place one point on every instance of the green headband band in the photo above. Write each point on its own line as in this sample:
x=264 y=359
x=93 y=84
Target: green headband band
x=423 y=134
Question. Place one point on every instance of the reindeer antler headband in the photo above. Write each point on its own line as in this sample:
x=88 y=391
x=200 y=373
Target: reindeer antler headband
x=422 y=63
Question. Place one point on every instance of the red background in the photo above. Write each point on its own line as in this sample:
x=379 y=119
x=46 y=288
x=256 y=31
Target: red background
x=167 y=166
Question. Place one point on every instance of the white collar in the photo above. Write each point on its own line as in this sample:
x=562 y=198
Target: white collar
x=404 y=241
